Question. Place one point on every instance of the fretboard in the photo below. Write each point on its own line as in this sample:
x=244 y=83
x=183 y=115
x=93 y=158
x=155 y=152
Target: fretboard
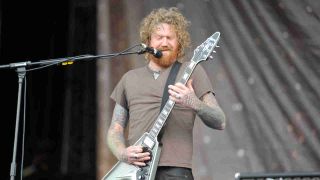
x=161 y=119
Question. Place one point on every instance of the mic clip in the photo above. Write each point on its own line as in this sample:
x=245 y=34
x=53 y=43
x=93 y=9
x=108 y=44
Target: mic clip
x=156 y=53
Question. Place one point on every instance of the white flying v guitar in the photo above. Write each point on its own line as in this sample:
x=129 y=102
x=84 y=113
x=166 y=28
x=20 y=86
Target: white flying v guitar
x=125 y=171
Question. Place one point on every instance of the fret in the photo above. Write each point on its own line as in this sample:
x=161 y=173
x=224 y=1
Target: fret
x=189 y=70
x=191 y=65
x=185 y=76
x=159 y=123
x=161 y=120
x=162 y=116
x=167 y=108
x=165 y=112
x=152 y=135
x=170 y=102
x=155 y=131
x=154 y=128
x=157 y=126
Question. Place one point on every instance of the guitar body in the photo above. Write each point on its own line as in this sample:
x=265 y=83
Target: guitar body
x=125 y=171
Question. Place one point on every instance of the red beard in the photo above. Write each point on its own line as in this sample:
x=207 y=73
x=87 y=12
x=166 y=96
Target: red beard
x=166 y=60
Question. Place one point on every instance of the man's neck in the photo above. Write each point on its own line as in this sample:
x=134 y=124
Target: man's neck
x=155 y=67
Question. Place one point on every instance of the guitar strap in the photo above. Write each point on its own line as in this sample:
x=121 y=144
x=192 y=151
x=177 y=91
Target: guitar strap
x=171 y=80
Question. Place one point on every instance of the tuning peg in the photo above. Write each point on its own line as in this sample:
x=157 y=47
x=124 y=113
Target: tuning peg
x=214 y=51
x=210 y=57
x=217 y=46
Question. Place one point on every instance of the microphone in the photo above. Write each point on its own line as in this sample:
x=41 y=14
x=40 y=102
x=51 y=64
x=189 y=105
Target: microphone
x=156 y=53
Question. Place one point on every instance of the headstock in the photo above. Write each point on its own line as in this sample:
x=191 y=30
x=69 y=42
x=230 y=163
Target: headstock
x=203 y=51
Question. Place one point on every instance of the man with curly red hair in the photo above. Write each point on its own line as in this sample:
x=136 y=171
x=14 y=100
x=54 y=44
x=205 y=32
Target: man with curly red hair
x=139 y=93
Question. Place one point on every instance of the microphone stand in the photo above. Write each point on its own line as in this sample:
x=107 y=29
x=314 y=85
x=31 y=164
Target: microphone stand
x=21 y=70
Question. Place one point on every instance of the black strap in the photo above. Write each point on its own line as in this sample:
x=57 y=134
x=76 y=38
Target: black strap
x=171 y=80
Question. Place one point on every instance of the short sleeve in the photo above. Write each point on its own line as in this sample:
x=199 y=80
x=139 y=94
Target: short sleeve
x=201 y=82
x=119 y=93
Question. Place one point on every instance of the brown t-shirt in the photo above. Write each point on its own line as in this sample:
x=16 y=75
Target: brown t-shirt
x=141 y=95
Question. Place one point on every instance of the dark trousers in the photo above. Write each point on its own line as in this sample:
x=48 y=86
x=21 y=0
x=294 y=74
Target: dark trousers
x=173 y=173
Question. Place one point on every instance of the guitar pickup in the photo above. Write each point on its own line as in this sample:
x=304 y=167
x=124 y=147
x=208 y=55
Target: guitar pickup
x=148 y=142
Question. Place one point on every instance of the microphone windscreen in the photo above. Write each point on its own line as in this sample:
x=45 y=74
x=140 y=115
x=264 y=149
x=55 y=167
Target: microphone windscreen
x=158 y=54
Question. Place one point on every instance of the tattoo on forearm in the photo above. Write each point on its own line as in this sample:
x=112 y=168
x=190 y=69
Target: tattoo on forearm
x=123 y=156
x=116 y=141
x=210 y=113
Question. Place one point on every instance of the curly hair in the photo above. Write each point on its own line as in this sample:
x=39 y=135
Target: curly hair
x=170 y=16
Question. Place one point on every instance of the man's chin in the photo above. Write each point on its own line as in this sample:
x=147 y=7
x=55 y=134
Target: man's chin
x=165 y=62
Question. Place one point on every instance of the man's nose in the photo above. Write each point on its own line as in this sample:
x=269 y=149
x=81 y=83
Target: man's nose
x=164 y=42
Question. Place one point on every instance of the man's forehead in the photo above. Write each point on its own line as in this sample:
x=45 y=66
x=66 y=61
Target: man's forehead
x=163 y=27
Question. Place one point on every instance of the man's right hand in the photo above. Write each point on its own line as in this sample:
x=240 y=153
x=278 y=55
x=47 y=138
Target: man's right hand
x=135 y=155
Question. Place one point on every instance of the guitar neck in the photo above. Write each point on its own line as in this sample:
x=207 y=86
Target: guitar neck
x=165 y=112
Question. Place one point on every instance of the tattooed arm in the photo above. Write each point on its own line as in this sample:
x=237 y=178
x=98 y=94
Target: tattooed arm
x=207 y=107
x=209 y=111
x=116 y=141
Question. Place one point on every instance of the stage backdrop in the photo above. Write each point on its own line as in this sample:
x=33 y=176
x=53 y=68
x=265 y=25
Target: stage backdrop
x=265 y=75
